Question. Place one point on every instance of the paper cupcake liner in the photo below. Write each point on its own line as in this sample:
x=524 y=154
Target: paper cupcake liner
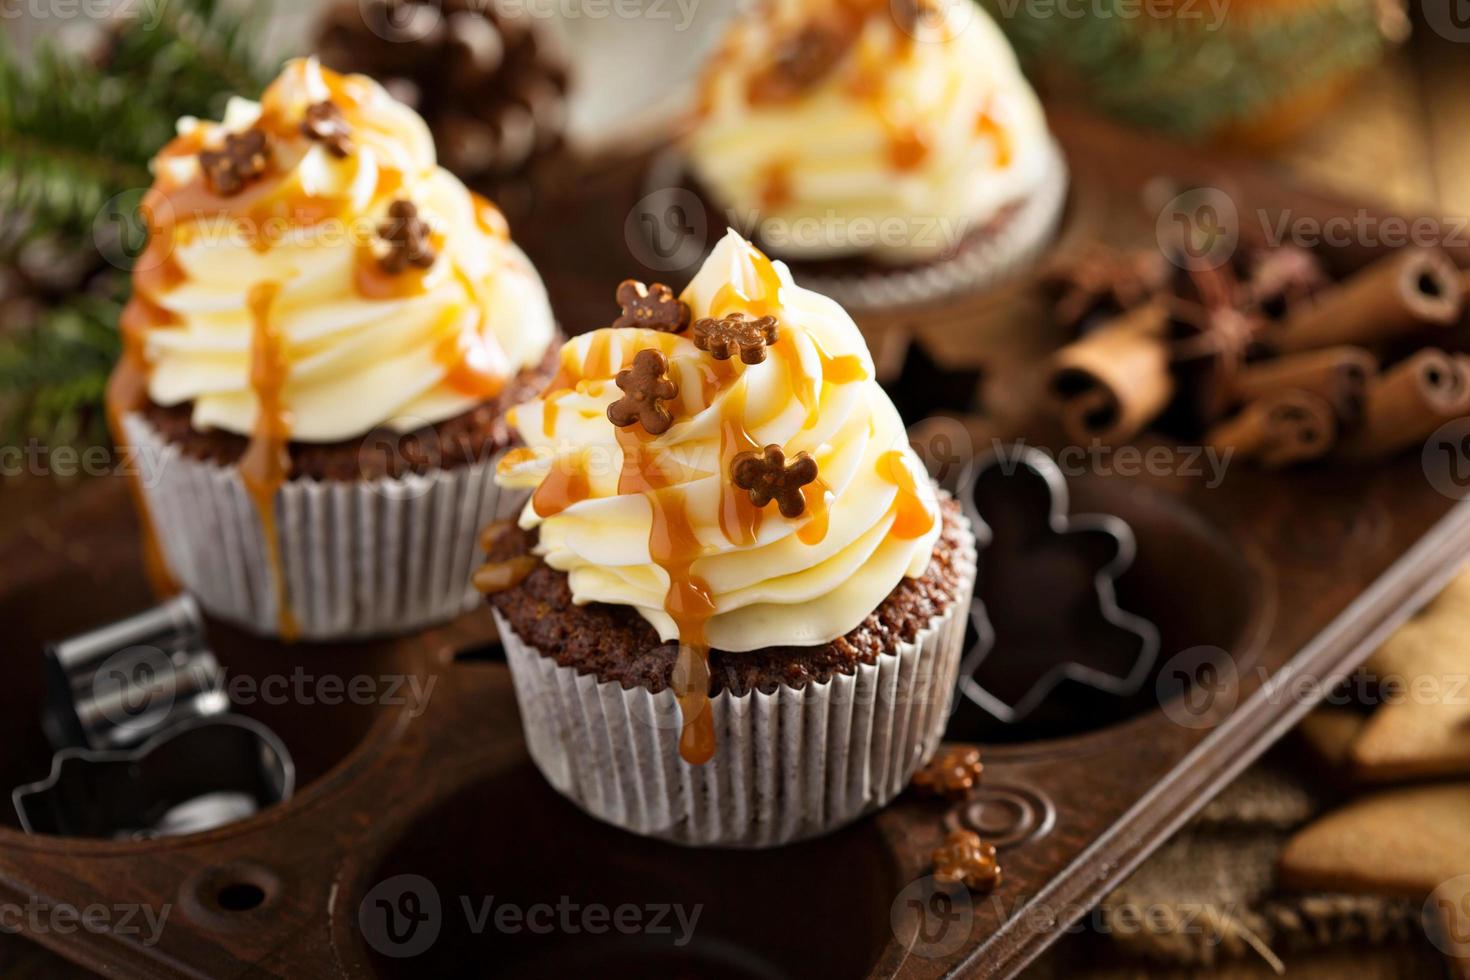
x=788 y=765
x=364 y=558
x=989 y=261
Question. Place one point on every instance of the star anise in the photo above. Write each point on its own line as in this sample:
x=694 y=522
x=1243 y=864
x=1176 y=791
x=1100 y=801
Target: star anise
x=1103 y=282
x=407 y=237
x=654 y=307
x=324 y=123
x=244 y=157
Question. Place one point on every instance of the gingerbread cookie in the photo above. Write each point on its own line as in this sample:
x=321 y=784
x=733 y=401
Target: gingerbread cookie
x=1422 y=728
x=1401 y=842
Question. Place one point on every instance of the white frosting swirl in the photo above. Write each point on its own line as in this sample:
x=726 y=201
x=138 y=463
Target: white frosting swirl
x=913 y=138
x=363 y=348
x=770 y=580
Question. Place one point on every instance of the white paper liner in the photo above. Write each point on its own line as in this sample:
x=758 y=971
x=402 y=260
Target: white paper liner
x=363 y=558
x=1014 y=247
x=787 y=766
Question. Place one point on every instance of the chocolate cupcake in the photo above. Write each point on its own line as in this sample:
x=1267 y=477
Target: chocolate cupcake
x=891 y=152
x=324 y=328
x=735 y=604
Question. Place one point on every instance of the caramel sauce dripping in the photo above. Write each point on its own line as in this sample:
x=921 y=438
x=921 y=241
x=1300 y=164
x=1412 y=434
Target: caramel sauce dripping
x=473 y=365
x=764 y=300
x=566 y=483
x=673 y=547
x=912 y=519
x=266 y=464
x=819 y=505
x=740 y=519
x=641 y=470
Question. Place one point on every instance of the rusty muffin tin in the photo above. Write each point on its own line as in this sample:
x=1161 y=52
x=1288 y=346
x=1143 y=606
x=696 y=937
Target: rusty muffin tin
x=416 y=801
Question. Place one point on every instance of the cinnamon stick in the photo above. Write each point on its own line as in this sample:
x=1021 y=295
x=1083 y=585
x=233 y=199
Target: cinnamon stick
x=1114 y=381
x=1279 y=429
x=1407 y=403
x=1412 y=291
x=1340 y=375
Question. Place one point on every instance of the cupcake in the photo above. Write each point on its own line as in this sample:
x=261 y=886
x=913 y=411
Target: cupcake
x=323 y=330
x=890 y=152
x=734 y=605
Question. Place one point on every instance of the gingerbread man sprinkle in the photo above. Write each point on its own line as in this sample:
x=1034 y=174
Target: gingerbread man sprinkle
x=243 y=158
x=952 y=773
x=722 y=338
x=644 y=387
x=767 y=476
x=407 y=237
x=654 y=307
x=324 y=123
x=966 y=858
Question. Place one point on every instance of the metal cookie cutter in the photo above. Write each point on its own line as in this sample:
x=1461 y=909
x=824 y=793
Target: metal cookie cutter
x=1046 y=609
x=145 y=744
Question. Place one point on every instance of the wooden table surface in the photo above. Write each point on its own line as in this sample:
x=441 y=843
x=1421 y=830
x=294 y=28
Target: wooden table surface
x=1401 y=137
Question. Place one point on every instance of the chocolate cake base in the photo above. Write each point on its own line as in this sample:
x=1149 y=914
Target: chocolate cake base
x=465 y=439
x=615 y=643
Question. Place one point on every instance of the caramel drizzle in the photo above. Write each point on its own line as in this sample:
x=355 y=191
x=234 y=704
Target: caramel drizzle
x=912 y=519
x=266 y=464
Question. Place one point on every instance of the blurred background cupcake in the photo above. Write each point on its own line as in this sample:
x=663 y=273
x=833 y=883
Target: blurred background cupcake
x=323 y=330
x=891 y=152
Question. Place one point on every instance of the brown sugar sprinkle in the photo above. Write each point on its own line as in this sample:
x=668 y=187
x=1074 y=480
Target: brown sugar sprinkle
x=800 y=62
x=654 y=307
x=407 y=237
x=243 y=158
x=324 y=123
x=767 y=476
x=644 y=387
x=722 y=338
x=499 y=576
x=952 y=773
x=966 y=858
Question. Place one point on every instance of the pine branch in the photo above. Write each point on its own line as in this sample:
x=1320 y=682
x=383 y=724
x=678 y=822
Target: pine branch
x=76 y=132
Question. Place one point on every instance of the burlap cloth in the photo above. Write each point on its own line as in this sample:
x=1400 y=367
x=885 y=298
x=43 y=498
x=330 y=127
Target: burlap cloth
x=1207 y=903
